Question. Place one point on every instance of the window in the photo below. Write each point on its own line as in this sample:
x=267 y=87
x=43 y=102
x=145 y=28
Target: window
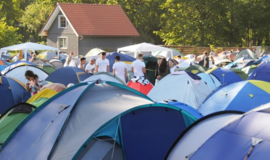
x=62 y=22
x=62 y=43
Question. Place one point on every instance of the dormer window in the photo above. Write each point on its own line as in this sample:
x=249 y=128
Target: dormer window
x=62 y=22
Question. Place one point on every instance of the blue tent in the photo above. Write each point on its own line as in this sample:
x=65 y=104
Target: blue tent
x=225 y=76
x=12 y=92
x=186 y=108
x=15 y=64
x=2 y=67
x=211 y=80
x=123 y=57
x=68 y=75
x=246 y=137
x=107 y=120
x=261 y=73
x=240 y=96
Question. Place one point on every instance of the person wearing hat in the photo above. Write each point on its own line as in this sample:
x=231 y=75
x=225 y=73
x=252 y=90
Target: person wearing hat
x=90 y=67
x=103 y=64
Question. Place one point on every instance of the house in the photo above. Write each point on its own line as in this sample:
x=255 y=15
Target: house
x=80 y=27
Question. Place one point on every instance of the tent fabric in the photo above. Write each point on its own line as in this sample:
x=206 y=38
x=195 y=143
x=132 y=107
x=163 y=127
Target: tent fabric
x=94 y=52
x=29 y=46
x=15 y=64
x=211 y=80
x=145 y=89
x=56 y=63
x=181 y=87
x=225 y=76
x=104 y=76
x=249 y=69
x=8 y=121
x=240 y=73
x=76 y=112
x=186 y=108
x=18 y=73
x=240 y=96
x=3 y=63
x=247 y=53
x=245 y=137
x=68 y=75
x=57 y=87
x=47 y=68
x=141 y=140
x=46 y=93
x=150 y=66
x=143 y=47
x=167 y=54
x=47 y=55
x=195 y=69
x=206 y=127
x=261 y=73
x=11 y=93
x=124 y=58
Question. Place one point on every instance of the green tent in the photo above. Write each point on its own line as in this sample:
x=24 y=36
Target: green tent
x=247 y=53
x=150 y=65
x=194 y=69
x=249 y=69
x=47 y=68
x=240 y=73
x=12 y=118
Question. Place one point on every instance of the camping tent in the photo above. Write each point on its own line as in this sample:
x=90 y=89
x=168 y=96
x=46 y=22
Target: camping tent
x=245 y=138
x=247 y=53
x=68 y=75
x=124 y=58
x=211 y=80
x=249 y=69
x=240 y=73
x=145 y=89
x=189 y=141
x=194 y=69
x=15 y=64
x=12 y=92
x=181 y=87
x=41 y=97
x=28 y=46
x=12 y=118
x=47 y=68
x=18 y=73
x=240 y=96
x=58 y=87
x=167 y=54
x=225 y=76
x=261 y=73
x=94 y=52
x=47 y=55
x=150 y=66
x=79 y=112
x=56 y=63
x=144 y=47
x=104 y=76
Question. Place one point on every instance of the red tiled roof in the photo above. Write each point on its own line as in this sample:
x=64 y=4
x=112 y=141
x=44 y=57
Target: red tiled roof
x=98 y=20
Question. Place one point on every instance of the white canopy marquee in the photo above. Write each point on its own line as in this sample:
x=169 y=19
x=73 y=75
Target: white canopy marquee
x=144 y=47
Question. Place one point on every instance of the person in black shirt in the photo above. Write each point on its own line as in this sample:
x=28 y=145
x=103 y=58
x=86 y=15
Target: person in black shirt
x=205 y=60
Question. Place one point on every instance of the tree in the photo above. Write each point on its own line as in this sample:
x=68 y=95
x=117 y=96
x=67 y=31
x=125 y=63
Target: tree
x=8 y=34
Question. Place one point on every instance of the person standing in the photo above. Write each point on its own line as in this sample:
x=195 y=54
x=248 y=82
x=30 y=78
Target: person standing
x=103 y=64
x=138 y=66
x=205 y=60
x=179 y=59
x=82 y=63
x=162 y=69
x=172 y=66
x=90 y=67
x=120 y=69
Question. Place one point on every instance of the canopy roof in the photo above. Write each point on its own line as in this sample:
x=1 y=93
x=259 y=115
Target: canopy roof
x=29 y=46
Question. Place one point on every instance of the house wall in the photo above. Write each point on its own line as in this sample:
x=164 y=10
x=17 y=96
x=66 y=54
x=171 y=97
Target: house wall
x=54 y=33
x=106 y=43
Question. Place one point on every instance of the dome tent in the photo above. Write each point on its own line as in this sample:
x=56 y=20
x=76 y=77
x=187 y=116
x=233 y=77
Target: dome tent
x=123 y=58
x=12 y=118
x=92 y=104
x=261 y=73
x=104 y=76
x=56 y=63
x=145 y=89
x=245 y=138
x=247 y=53
x=196 y=134
x=68 y=75
x=211 y=80
x=12 y=92
x=181 y=87
x=240 y=96
x=225 y=76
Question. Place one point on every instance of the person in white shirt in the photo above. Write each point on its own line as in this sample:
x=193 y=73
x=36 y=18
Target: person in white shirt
x=120 y=69
x=82 y=63
x=103 y=64
x=179 y=59
x=138 y=66
x=90 y=67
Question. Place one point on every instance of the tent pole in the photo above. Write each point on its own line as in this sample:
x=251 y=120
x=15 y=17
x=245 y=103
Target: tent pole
x=25 y=54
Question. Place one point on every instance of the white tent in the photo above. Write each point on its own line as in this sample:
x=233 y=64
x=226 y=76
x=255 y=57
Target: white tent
x=28 y=46
x=181 y=87
x=94 y=52
x=144 y=47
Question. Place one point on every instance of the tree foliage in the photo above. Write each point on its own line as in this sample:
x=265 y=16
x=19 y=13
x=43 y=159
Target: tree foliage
x=8 y=34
